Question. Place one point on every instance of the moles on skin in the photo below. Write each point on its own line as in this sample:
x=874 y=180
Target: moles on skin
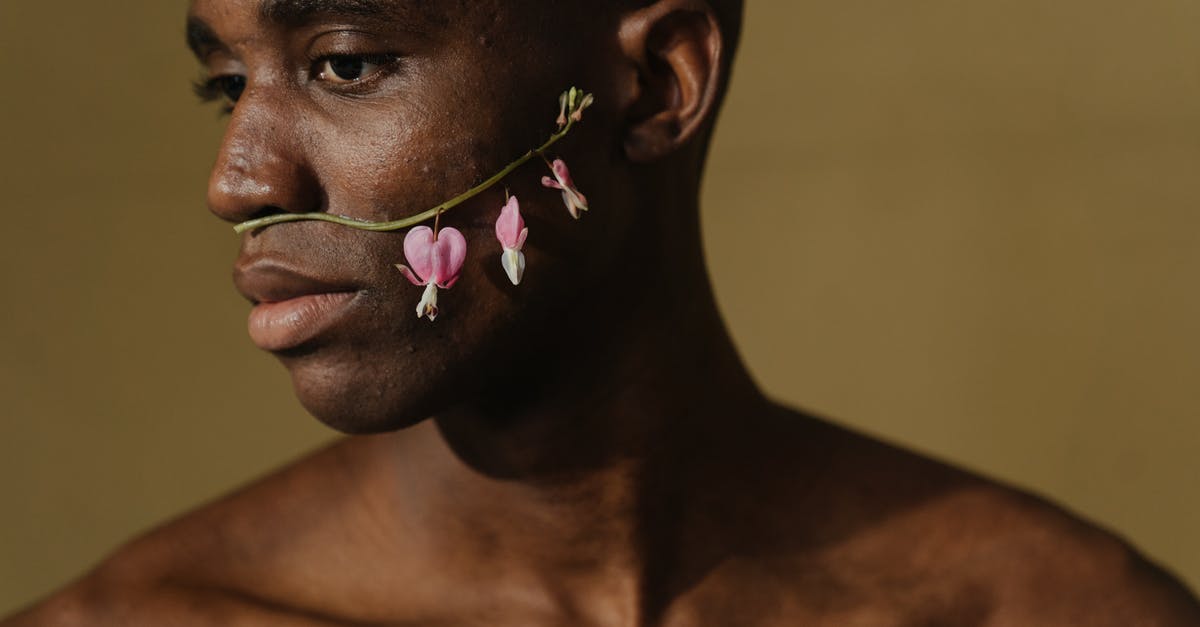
x=583 y=449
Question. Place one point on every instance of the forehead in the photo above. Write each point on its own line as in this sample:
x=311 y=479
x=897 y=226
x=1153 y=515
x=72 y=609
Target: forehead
x=291 y=12
x=247 y=19
x=220 y=24
x=299 y=12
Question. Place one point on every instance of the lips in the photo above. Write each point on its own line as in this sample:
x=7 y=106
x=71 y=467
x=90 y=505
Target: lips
x=290 y=307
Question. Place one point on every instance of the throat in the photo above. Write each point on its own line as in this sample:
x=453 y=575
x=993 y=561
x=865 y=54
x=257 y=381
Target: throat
x=594 y=480
x=607 y=544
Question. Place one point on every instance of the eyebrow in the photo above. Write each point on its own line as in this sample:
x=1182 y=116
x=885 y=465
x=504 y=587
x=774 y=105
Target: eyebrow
x=300 y=12
x=201 y=38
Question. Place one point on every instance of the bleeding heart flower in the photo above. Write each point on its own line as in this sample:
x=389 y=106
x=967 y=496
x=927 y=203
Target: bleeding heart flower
x=574 y=200
x=511 y=231
x=436 y=260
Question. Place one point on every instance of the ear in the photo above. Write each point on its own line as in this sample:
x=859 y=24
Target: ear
x=676 y=48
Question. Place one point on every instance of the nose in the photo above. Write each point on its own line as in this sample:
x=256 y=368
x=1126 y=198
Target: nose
x=261 y=168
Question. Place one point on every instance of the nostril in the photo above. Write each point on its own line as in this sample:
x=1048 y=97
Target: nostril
x=265 y=212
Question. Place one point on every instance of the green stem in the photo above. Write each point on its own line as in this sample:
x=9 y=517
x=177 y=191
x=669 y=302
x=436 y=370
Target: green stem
x=396 y=225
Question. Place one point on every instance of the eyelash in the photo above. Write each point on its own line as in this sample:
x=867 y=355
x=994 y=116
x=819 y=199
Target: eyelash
x=213 y=88
x=210 y=89
x=385 y=62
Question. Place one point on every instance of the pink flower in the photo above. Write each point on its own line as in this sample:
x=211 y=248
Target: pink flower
x=511 y=231
x=574 y=200
x=436 y=260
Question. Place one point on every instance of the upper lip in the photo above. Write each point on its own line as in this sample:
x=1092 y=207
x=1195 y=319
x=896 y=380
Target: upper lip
x=272 y=280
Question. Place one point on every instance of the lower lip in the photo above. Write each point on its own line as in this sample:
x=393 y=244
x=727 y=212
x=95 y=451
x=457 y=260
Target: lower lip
x=290 y=323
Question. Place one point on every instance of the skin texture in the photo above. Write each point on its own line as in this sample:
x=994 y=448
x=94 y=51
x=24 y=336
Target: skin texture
x=597 y=453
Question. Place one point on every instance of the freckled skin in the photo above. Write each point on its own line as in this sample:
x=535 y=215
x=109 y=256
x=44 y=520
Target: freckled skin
x=597 y=454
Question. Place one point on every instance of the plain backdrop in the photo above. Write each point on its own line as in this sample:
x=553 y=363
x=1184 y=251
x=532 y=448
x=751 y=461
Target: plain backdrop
x=972 y=228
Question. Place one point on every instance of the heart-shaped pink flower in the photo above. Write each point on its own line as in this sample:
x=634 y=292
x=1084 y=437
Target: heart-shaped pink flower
x=436 y=259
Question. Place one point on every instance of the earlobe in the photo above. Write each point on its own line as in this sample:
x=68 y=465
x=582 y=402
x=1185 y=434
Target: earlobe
x=677 y=49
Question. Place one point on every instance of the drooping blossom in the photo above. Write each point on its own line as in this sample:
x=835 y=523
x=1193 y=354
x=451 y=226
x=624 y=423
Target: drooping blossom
x=562 y=108
x=572 y=198
x=436 y=259
x=511 y=231
x=586 y=102
x=571 y=105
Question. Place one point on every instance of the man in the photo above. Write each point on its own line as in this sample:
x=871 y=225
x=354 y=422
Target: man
x=584 y=448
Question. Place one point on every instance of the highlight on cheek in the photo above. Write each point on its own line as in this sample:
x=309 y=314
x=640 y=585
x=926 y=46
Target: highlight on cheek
x=436 y=256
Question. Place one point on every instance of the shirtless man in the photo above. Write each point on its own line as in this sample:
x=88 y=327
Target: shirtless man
x=598 y=455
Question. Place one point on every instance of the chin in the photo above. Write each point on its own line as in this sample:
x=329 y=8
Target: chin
x=388 y=370
x=353 y=397
x=358 y=420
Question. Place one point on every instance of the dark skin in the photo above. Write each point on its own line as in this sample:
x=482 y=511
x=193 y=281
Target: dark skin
x=598 y=454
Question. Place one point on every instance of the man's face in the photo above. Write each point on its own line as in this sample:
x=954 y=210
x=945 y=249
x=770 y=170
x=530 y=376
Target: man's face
x=378 y=110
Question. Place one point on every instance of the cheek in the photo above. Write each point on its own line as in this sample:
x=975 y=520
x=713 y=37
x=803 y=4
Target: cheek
x=387 y=368
x=382 y=169
x=384 y=367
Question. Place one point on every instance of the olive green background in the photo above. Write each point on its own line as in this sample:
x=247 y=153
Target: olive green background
x=969 y=227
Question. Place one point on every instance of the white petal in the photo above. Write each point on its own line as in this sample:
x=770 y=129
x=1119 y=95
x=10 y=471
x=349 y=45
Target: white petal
x=569 y=201
x=428 y=305
x=513 y=262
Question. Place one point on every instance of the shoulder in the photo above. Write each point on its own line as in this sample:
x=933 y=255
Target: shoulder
x=1031 y=561
x=110 y=597
x=228 y=562
x=1046 y=565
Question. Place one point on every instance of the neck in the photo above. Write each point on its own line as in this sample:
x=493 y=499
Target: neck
x=641 y=360
x=582 y=481
x=668 y=373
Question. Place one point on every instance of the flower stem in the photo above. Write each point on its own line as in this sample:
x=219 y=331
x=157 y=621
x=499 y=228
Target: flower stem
x=396 y=225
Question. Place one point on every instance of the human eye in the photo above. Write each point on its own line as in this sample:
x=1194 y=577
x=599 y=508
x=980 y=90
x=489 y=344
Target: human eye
x=227 y=87
x=346 y=70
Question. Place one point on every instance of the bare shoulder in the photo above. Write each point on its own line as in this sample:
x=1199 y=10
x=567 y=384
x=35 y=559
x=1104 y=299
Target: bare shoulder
x=1049 y=566
x=1030 y=561
x=229 y=562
